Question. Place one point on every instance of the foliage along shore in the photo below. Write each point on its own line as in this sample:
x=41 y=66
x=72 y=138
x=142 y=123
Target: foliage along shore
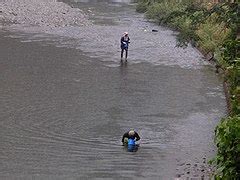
x=214 y=28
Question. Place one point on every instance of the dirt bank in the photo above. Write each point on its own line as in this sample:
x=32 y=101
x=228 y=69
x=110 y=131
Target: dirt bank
x=40 y=13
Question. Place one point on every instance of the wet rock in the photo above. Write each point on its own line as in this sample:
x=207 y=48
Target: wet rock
x=195 y=169
x=181 y=164
x=178 y=175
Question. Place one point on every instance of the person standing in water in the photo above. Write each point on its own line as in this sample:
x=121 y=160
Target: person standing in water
x=125 y=40
x=130 y=135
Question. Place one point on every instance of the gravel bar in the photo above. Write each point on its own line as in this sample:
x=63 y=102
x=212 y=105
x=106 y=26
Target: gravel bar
x=41 y=13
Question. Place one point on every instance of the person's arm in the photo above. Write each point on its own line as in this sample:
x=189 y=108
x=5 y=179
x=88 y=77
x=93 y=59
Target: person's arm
x=137 y=136
x=122 y=40
x=124 y=136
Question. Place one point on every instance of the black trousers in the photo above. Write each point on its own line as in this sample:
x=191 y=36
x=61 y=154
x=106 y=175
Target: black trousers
x=126 y=54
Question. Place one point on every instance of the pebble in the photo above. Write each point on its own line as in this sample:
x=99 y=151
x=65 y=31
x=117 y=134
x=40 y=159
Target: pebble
x=198 y=169
x=41 y=13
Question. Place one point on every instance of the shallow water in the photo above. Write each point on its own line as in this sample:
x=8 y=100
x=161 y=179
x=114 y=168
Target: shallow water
x=66 y=100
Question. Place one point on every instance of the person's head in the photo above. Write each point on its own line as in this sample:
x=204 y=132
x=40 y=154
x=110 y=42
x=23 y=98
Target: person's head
x=131 y=132
x=125 y=33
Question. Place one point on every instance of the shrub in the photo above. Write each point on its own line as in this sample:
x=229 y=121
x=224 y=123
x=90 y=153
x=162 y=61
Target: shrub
x=228 y=142
x=142 y=7
x=163 y=12
x=212 y=35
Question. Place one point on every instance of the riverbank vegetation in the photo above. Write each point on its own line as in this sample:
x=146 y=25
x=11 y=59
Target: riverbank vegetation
x=214 y=28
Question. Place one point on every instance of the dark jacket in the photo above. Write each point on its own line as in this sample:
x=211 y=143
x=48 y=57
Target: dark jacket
x=126 y=135
x=124 y=43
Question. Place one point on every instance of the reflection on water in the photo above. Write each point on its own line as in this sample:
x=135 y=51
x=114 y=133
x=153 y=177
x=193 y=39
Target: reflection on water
x=123 y=64
x=132 y=148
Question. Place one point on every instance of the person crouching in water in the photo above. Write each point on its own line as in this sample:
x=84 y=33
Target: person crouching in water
x=130 y=135
x=125 y=40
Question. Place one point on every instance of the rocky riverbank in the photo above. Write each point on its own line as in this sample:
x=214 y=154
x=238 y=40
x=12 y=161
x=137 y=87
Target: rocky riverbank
x=42 y=13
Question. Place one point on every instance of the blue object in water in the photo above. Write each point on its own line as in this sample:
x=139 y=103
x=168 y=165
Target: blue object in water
x=131 y=142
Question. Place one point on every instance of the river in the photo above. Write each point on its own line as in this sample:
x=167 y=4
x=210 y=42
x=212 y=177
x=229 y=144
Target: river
x=66 y=100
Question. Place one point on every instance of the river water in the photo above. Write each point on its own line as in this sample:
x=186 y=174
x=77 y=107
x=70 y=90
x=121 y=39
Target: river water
x=66 y=100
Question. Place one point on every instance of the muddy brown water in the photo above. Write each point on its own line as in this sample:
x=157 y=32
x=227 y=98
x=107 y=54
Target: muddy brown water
x=66 y=100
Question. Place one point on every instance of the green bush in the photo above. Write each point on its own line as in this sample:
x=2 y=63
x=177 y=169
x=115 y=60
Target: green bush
x=163 y=12
x=142 y=7
x=212 y=35
x=228 y=143
x=231 y=51
x=156 y=11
